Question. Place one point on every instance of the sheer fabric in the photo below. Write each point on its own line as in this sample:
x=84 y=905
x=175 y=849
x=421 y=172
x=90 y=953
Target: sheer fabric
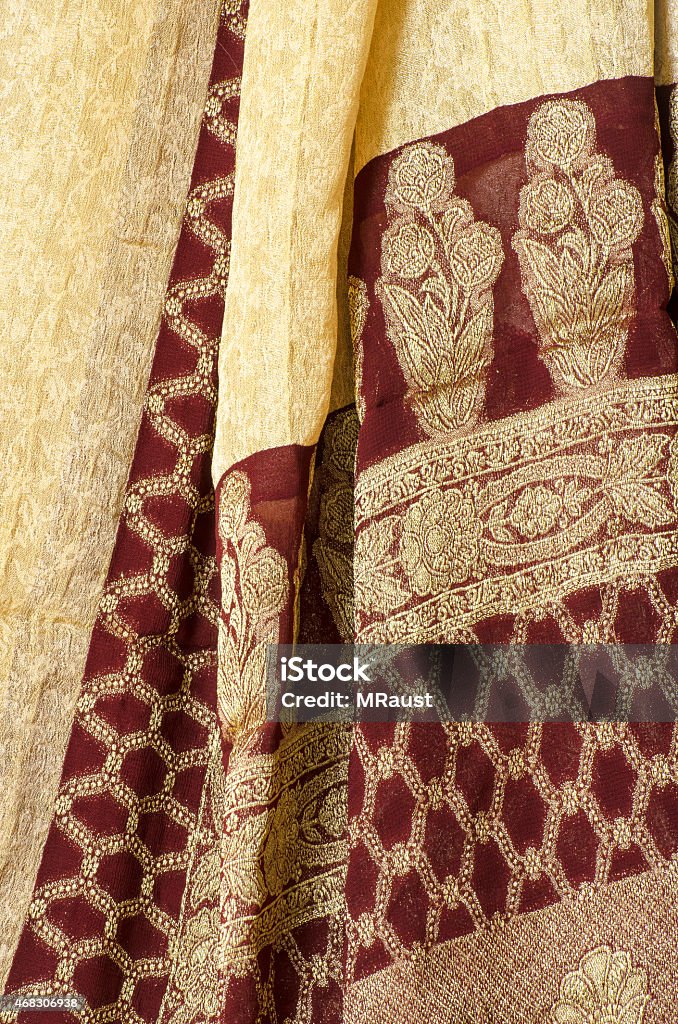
x=432 y=304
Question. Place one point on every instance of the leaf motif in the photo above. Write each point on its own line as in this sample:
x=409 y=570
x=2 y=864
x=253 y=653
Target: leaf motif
x=439 y=289
x=556 y=313
x=501 y=533
x=373 y=545
x=609 y=299
x=470 y=355
x=411 y=329
x=601 y=355
x=577 y=241
x=419 y=360
x=437 y=328
x=381 y=592
x=499 y=511
x=640 y=504
x=335 y=567
x=541 y=262
x=635 y=457
x=571 y=267
x=405 y=309
x=241 y=856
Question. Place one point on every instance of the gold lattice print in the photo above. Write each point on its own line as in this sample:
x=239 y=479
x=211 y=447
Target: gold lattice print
x=501 y=822
x=139 y=784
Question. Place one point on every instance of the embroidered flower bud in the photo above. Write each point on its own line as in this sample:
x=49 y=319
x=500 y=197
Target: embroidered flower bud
x=560 y=133
x=408 y=249
x=546 y=206
x=422 y=177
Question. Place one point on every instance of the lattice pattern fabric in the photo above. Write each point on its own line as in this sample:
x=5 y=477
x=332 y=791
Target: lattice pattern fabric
x=487 y=201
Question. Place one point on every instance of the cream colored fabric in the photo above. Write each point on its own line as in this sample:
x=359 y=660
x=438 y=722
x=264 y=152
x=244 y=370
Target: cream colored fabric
x=666 y=42
x=304 y=62
x=435 y=64
x=432 y=64
x=101 y=109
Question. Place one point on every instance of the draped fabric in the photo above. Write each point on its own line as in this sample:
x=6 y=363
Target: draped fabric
x=414 y=381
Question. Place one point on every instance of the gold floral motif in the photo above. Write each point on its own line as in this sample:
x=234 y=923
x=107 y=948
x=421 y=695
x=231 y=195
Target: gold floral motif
x=197 y=973
x=241 y=852
x=421 y=178
x=195 y=986
x=283 y=844
x=358 y=306
x=605 y=989
x=539 y=508
x=519 y=514
x=333 y=548
x=255 y=588
x=439 y=266
x=578 y=223
x=549 y=509
x=672 y=184
x=439 y=541
x=377 y=576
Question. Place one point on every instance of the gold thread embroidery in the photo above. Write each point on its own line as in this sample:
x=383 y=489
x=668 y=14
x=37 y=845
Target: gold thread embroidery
x=255 y=588
x=672 y=184
x=578 y=223
x=440 y=540
x=439 y=266
x=555 y=802
x=358 y=306
x=197 y=972
x=519 y=515
x=333 y=549
x=283 y=847
x=195 y=989
x=605 y=989
x=659 y=207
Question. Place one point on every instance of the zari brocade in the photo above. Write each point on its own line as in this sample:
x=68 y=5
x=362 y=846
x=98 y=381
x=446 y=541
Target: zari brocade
x=419 y=342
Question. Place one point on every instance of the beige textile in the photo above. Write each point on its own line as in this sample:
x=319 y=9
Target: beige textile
x=101 y=110
x=303 y=67
x=666 y=42
x=435 y=64
x=432 y=64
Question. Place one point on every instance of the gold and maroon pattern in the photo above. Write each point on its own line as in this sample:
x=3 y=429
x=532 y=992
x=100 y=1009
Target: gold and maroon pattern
x=494 y=165
x=328 y=533
x=283 y=844
x=205 y=866
x=539 y=523
x=454 y=828
x=111 y=900
x=549 y=514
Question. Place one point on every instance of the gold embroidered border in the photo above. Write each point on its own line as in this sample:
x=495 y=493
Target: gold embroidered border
x=538 y=506
x=604 y=958
x=283 y=837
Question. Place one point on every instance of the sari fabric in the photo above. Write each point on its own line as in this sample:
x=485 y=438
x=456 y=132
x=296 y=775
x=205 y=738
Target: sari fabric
x=433 y=307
